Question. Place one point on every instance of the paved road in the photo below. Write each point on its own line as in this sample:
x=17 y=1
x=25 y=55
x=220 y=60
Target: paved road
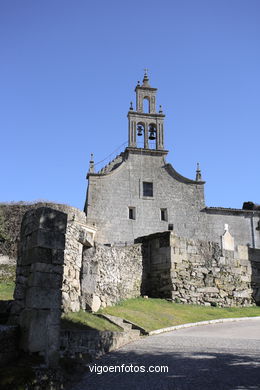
x=211 y=357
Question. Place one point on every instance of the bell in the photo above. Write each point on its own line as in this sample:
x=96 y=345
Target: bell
x=152 y=130
x=139 y=130
x=152 y=135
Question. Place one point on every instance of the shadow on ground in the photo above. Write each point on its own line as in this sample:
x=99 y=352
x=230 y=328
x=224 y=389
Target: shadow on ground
x=186 y=371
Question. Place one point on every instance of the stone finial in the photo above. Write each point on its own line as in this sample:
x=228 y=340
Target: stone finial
x=91 y=164
x=146 y=79
x=198 y=173
x=160 y=109
x=226 y=227
x=131 y=106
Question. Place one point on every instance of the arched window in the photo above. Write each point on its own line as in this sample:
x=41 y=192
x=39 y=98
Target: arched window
x=146 y=105
x=152 y=135
x=140 y=134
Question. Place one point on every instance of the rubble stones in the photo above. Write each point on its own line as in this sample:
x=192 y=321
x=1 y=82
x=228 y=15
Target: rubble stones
x=201 y=273
x=110 y=274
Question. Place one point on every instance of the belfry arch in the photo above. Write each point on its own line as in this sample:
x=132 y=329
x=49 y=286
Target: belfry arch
x=150 y=135
x=146 y=104
x=140 y=132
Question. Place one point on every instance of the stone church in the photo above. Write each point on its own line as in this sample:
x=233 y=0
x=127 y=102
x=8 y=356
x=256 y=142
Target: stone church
x=145 y=231
x=139 y=193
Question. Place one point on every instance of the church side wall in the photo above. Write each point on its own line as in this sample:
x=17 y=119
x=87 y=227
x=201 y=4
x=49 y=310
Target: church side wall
x=243 y=227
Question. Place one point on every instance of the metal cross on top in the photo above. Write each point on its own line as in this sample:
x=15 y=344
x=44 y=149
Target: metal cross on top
x=145 y=71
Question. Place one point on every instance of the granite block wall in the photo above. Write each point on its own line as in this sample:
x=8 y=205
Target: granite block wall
x=199 y=272
x=39 y=275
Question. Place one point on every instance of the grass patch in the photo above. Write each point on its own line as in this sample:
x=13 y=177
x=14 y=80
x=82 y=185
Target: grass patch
x=153 y=313
x=7 y=281
x=7 y=273
x=87 y=321
x=6 y=291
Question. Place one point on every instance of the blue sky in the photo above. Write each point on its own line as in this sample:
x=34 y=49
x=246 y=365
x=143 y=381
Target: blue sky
x=68 y=70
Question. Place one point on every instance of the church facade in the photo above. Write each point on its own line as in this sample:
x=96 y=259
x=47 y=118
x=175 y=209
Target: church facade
x=139 y=193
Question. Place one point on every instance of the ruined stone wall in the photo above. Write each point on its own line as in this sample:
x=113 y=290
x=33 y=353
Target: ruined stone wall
x=254 y=257
x=198 y=272
x=71 y=290
x=48 y=276
x=77 y=237
x=39 y=275
x=110 y=274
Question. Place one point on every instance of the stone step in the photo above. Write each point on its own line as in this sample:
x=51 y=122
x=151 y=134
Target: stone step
x=135 y=333
x=123 y=323
x=127 y=327
x=115 y=320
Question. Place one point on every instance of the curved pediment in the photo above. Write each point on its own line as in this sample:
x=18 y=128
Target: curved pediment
x=169 y=168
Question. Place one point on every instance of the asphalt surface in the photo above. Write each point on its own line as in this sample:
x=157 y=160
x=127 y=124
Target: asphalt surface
x=210 y=357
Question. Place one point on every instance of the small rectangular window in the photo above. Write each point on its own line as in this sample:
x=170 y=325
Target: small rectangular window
x=170 y=226
x=131 y=212
x=147 y=188
x=164 y=216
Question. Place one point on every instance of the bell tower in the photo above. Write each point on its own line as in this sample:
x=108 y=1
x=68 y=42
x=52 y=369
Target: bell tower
x=146 y=126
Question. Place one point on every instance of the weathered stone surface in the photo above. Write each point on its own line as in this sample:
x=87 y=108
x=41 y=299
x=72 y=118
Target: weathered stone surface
x=92 y=302
x=39 y=329
x=9 y=338
x=42 y=255
x=45 y=280
x=242 y=251
x=43 y=298
x=45 y=239
x=94 y=343
x=111 y=274
x=208 y=290
x=48 y=268
x=243 y=294
x=38 y=292
x=256 y=295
